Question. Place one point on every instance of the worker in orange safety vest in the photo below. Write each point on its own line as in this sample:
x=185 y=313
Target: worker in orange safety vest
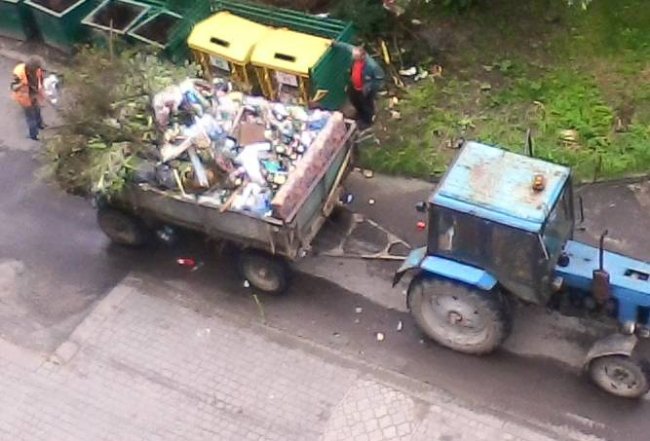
x=27 y=90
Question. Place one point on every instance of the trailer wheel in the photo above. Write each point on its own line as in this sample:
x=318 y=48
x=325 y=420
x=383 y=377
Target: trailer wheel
x=121 y=228
x=457 y=316
x=620 y=375
x=265 y=273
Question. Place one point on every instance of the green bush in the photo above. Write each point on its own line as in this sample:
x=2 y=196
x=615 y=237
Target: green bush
x=369 y=16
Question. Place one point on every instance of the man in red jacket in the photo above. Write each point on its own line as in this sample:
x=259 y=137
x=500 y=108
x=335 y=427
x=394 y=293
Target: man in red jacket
x=366 y=78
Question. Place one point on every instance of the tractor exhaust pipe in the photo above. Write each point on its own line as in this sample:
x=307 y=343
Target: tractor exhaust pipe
x=601 y=289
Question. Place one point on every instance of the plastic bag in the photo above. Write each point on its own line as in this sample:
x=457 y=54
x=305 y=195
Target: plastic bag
x=249 y=159
x=51 y=87
x=165 y=103
x=254 y=198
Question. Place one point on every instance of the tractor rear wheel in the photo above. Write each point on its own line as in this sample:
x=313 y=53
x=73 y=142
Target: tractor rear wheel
x=458 y=316
x=620 y=375
x=266 y=273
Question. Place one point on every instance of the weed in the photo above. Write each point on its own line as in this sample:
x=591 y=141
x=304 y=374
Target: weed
x=583 y=87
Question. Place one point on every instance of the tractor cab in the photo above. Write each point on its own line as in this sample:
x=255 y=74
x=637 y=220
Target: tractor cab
x=506 y=214
x=520 y=209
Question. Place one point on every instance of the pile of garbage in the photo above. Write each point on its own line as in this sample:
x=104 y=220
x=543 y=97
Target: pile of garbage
x=238 y=152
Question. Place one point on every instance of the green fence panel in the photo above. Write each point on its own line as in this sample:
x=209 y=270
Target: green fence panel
x=59 y=22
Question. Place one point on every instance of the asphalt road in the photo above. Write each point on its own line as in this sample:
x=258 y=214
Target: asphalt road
x=55 y=264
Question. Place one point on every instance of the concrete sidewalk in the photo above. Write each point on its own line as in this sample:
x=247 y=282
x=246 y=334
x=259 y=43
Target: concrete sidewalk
x=145 y=368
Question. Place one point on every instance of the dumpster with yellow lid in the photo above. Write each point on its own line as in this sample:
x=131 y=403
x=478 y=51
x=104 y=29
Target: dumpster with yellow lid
x=285 y=61
x=223 y=44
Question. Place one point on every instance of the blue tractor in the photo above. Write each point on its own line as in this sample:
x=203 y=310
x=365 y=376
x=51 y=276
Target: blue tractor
x=500 y=225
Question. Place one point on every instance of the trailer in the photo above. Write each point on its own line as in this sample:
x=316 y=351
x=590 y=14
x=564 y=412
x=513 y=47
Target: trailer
x=267 y=244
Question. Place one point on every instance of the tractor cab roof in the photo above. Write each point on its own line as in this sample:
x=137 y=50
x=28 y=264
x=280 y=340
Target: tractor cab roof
x=501 y=186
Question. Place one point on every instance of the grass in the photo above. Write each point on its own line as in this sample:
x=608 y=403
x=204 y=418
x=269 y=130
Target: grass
x=579 y=80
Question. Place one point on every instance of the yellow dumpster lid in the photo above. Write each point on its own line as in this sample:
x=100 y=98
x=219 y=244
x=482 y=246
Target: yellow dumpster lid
x=289 y=51
x=227 y=35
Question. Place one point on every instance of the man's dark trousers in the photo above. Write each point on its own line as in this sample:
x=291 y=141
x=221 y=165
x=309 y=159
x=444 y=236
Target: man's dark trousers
x=364 y=105
x=34 y=120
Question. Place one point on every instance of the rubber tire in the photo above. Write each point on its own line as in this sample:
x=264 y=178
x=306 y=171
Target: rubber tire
x=134 y=233
x=638 y=368
x=251 y=261
x=492 y=305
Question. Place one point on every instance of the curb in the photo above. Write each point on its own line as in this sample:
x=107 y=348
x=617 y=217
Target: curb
x=91 y=323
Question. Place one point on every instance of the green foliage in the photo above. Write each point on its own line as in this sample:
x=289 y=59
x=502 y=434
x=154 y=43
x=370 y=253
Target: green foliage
x=583 y=88
x=457 y=5
x=106 y=116
x=369 y=16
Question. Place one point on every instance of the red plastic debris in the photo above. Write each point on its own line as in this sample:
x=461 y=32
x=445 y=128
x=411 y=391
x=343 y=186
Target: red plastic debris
x=186 y=261
x=421 y=225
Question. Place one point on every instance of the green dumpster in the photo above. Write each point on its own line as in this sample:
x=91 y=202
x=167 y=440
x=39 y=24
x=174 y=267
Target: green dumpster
x=59 y=21
x=296 y=62
x=158 y=30
x=168 y=31
x=15 y=20
x=116 y=16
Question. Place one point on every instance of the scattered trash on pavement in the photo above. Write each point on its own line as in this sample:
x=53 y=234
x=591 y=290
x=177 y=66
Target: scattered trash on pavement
x=422 y=74
x=186 y=262
x=166 y=235
x=203 y=332
x=260 y=307
x=400 y=326
x=421 y=225
x=371 y=201
x=368 y=174
x=358 y=309
x=247 y=284
x=197 y=266
x=380 y=336
x=410 y=72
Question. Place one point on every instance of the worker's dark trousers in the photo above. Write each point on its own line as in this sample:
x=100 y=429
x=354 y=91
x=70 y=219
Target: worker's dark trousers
x=364 y=105
x=34 y=120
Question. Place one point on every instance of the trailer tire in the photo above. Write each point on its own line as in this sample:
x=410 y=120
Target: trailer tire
x=121 y=228
x=264 y=272
x=458 y=316
x=620 y=375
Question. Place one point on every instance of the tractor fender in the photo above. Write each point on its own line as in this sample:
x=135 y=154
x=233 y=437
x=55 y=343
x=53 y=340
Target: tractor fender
x=447 y=268
x=615 y=344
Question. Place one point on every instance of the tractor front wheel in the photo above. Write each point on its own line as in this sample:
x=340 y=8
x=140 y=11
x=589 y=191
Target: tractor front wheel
x=458 y=316
x=620 y=375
